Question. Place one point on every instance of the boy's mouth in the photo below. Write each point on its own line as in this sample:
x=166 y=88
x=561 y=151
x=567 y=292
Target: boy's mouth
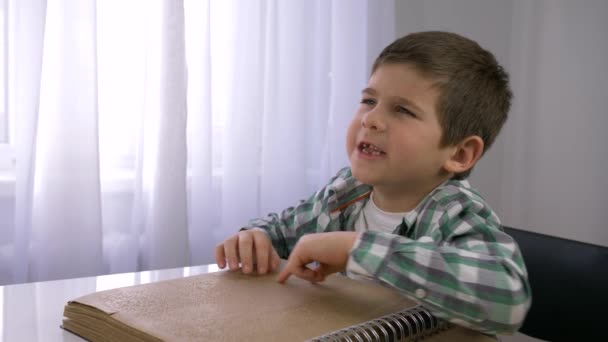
x=370 y=149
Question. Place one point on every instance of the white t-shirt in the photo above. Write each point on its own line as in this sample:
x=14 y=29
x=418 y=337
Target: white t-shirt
x=375 y=219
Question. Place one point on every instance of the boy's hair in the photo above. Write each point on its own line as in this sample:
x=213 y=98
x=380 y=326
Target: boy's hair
x=474 y=93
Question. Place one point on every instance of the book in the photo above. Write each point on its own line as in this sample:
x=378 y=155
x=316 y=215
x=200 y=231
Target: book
x=231 y=306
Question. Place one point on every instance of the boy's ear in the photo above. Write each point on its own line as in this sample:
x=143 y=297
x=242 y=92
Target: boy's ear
x=465 y=155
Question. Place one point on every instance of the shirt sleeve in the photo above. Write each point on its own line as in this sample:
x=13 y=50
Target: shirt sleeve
x=463 y=269
x=309 y=216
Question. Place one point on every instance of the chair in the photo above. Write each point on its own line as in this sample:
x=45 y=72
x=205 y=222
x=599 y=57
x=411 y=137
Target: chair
x=569 y=281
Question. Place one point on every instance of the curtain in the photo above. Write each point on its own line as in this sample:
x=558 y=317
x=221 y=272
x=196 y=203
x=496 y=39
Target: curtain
x=148 y=131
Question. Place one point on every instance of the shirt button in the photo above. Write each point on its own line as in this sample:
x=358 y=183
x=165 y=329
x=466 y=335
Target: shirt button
x=420 y=293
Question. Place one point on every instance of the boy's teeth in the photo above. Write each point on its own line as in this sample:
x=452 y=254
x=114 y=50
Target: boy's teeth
x=370 y=149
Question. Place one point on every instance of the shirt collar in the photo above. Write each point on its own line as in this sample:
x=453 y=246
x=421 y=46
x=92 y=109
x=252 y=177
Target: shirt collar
x=349 y=190
x=412 y=216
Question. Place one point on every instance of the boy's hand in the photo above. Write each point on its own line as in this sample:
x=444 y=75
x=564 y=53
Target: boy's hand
x=249 y=247
x=330 y=250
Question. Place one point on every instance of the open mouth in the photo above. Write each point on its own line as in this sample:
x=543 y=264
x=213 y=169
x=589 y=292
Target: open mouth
x=370 y=149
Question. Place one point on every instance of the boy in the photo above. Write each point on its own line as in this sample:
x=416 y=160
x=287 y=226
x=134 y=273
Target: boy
x=402 y=213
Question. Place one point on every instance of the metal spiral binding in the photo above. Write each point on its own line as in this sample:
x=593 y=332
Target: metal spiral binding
x=413 y=324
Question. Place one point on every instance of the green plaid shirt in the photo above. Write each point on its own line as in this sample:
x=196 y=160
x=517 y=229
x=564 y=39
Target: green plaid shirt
x=449 y=253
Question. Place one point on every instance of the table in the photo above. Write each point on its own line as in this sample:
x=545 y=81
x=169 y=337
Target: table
x=34 y=311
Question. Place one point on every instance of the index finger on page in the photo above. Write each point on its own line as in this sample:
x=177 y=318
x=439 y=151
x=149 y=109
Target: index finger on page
x=284 y=275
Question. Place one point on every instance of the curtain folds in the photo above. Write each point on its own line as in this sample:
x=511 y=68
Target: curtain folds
x=148 y=131
x=66 y=200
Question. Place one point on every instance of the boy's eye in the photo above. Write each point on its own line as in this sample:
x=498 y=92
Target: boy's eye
x=403 y=110
x=369 y=102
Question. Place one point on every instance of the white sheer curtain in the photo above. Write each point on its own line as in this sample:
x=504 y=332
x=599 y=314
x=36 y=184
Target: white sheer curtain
x=147 y=131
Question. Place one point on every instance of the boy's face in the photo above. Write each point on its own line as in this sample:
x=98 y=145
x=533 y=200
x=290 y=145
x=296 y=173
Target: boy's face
x=394 y=138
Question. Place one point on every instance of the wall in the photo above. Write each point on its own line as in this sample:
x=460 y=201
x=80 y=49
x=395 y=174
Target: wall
x=545 y=172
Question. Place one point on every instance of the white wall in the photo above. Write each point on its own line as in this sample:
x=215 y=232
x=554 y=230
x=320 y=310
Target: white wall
x=546 y=171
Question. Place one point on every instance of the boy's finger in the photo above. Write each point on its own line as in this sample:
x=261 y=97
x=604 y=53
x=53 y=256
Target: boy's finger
x=325 y=270
x=288 y=269
x=275 y=261
x=231 y=252
x=300 y=272
x=297 y=267
x=246 y=251
x=283 y=275
x=262 y=250
x=220 y=257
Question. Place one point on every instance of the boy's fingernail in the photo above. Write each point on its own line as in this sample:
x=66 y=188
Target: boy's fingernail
x=262 y=270
x=246 y=269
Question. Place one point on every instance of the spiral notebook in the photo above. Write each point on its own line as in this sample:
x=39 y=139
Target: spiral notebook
x=230 y=306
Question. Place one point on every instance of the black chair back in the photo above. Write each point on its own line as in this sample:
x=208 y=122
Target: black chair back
x=569 y=281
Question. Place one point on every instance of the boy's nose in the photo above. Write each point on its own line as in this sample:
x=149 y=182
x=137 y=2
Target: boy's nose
x=373 y=120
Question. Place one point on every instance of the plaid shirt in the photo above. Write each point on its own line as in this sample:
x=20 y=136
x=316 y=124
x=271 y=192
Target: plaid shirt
x=449 y=253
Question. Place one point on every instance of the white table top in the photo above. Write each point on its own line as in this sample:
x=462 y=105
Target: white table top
x=34 y=311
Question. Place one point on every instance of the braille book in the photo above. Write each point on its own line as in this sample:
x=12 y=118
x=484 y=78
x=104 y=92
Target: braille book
x=231 y=306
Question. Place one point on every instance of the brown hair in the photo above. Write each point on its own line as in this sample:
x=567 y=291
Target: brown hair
x=474 y=93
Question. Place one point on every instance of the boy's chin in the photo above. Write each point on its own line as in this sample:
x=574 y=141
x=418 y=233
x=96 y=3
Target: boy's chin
x=364 y=176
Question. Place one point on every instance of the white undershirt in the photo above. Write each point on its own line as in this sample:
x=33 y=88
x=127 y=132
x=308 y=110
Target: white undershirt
x=373 y=218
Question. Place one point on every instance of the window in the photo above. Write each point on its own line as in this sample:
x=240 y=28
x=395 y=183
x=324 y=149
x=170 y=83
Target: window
x=6 y=149
x=4 y=118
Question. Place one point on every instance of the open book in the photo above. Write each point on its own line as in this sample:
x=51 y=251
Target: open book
x=230 y=306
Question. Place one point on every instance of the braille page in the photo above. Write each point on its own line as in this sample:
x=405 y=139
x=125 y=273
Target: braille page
x=230 y=306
